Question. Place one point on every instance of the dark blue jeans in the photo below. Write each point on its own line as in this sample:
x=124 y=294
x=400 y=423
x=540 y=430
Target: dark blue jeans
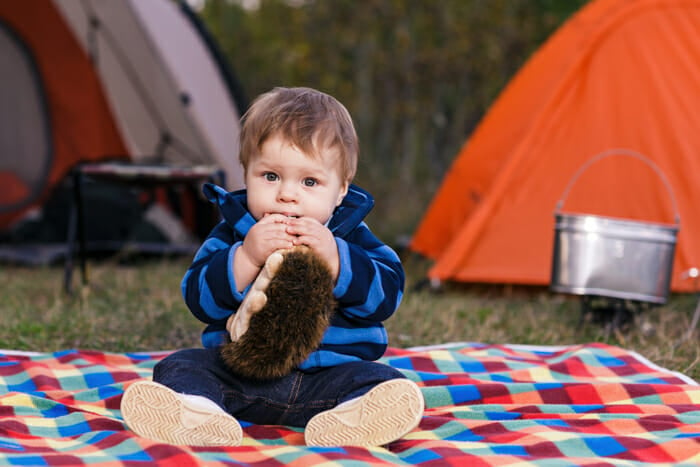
x=291 y=400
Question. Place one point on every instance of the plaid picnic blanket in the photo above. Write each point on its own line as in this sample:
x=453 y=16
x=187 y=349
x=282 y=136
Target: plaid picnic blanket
x=485 y=405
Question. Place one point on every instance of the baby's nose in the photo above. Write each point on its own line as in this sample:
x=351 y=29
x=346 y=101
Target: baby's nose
x=287 y=192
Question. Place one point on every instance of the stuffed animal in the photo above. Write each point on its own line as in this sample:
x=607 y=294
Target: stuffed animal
x=282 y=318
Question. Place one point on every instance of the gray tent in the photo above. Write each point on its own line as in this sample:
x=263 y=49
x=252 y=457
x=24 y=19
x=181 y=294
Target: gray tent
x=91 y=80
x=96 y=80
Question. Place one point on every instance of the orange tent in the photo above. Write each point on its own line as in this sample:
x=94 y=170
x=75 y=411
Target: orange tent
x=618 y=74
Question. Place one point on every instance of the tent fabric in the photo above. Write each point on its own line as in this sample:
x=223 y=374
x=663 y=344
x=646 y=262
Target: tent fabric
x=128 y=80
x=78 y=114
x=618 y=74
x=152 y=72
x=24 y=121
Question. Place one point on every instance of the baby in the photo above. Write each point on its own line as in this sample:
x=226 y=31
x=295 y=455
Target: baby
x=299 y=151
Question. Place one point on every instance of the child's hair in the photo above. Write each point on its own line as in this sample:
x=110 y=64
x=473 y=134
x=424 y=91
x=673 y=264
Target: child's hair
x=308 y=119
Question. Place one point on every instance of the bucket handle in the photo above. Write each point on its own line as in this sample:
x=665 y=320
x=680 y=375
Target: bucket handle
x=621 y=152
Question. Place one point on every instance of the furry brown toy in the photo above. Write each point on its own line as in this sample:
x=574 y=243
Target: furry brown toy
x=283 y=317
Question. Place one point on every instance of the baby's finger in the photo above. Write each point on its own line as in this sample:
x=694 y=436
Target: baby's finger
x=274 y=218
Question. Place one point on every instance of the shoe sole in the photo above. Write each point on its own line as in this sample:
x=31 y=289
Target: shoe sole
x=386 y=413
x=159 y=413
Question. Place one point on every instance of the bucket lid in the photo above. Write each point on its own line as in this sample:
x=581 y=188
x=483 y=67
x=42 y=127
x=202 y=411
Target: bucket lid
x=614 y=227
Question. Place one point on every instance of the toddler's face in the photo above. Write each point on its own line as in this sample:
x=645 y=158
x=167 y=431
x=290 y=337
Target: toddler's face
x=284 y=180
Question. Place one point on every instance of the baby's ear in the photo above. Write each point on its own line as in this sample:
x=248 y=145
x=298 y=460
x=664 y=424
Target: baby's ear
x=343 y=192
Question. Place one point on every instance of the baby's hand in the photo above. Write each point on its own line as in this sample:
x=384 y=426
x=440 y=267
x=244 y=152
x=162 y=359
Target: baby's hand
x=266 y=236
x=318 y=237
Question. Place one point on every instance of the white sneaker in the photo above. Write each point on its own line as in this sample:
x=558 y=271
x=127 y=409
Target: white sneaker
x=386 y=413
x=157 y=412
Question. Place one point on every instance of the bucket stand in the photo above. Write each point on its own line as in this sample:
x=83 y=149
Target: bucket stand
x=615 y=314
x=692 y=273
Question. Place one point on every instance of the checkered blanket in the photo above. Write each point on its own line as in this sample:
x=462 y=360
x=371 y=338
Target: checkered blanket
x=485 y=405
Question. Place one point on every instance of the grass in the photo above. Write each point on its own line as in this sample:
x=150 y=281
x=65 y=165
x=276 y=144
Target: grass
x=138 y=307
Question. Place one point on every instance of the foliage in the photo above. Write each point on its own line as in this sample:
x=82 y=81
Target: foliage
x=417 y=76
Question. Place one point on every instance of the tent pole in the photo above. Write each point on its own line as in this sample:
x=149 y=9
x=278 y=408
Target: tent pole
x=76 y=227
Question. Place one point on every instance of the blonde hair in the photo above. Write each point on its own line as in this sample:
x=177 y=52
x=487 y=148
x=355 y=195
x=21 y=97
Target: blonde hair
x=308 y=119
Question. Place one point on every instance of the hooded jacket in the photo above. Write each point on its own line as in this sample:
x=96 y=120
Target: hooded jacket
x=368 y=290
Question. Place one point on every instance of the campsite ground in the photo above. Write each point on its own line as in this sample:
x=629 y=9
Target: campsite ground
x=138 y=307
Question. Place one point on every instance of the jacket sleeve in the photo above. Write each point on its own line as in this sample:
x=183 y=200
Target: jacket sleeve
x=371 y=280
x=208 y=286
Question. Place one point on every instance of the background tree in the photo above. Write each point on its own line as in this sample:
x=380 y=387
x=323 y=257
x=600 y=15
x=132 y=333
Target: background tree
x=417 y=75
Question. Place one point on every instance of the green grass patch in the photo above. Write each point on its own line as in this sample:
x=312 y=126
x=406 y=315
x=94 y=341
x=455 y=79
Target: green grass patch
x=138 y=307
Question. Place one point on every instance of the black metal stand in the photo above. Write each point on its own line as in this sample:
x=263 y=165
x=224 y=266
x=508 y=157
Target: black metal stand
x=614 y=313
x=130 y=174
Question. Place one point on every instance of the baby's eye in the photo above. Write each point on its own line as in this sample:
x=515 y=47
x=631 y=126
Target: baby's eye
x=310 y=182
x=270 y=176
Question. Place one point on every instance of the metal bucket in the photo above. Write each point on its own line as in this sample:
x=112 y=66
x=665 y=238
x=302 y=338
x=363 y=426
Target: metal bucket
x=609 y=257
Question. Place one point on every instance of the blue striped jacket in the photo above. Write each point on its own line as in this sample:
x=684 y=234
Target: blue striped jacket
x=368 y=290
